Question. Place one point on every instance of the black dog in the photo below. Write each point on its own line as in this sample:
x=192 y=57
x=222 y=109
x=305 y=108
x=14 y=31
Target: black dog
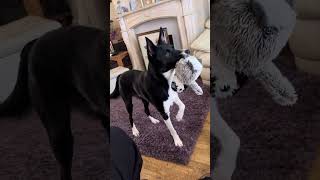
x=57 y=71
x=153 y=85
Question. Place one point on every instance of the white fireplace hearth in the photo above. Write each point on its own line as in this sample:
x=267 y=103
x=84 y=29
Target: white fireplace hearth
x=183 y=19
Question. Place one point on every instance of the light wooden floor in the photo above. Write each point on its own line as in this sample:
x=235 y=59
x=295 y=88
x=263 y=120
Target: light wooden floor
x=198 y=166
x=315 y=172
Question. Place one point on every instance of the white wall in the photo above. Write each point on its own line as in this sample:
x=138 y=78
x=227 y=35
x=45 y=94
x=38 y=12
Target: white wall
x=200 y=10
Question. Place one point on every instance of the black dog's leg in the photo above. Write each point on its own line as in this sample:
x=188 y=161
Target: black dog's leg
x=57 y=124
x=55 y=116
x=146 y=110
x=146 y=107
x=165 y=113
x=129 y=106
x=51 y=101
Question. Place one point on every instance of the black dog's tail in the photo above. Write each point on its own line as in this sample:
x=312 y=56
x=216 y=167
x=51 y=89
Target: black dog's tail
x=116 y=91
x=19 y=100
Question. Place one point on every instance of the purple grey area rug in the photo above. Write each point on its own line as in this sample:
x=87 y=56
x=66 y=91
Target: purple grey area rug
x=155 y=139
x=26 y=154
x=277 y=143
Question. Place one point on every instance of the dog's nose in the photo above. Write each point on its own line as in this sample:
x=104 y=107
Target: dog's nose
x=187 y=51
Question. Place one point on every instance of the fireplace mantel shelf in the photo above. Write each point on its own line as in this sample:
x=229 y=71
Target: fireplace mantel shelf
x=142 y=9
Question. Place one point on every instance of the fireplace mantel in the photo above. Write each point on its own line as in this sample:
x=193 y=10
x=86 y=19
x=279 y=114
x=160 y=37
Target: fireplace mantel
x=181 y=10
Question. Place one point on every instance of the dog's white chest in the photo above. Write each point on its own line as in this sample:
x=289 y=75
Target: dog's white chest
x=172 y=96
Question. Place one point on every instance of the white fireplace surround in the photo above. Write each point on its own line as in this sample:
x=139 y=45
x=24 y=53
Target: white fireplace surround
x=184 y=19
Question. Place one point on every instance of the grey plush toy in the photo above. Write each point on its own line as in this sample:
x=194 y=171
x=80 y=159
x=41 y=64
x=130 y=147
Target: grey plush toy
x=247 y=35
x=188 y=71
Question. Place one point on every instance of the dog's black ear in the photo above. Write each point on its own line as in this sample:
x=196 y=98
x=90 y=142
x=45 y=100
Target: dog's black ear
x=151 y=48
x=162 y=37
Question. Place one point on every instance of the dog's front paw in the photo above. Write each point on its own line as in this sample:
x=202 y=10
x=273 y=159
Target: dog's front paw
x=177 y=141
x=180 y=113
x=179 y=117
x=153 y=120
x=135 y=131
